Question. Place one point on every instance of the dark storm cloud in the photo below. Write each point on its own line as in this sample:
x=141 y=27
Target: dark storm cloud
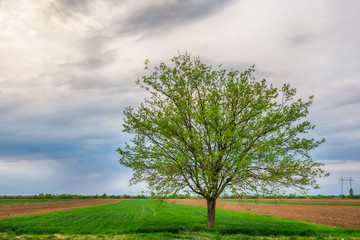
x=165 y=16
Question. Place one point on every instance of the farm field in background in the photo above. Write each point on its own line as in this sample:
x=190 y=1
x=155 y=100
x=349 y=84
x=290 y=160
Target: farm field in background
x=332 y=215
x=36 y=207
x=155 y=219
x=26 y=201
x=298 y=201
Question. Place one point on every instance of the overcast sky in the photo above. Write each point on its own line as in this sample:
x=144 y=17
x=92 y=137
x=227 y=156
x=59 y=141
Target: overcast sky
x=68 y=69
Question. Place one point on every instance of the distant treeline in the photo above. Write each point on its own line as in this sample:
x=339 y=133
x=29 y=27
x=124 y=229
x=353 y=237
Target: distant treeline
x=174 y=196
x=73 y=196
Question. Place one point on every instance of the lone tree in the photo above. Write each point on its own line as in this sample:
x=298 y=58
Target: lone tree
x=208 y=131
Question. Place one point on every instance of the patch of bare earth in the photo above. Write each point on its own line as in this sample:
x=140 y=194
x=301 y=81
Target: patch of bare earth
x=318 y=201
x=332 y=215
x=36 y=208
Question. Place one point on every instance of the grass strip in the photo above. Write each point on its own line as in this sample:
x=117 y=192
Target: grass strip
x=156 y=236
x=151 y=219
x=291 y=203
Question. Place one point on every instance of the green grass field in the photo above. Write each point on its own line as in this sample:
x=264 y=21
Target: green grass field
x=292 y=203
x=151 y=219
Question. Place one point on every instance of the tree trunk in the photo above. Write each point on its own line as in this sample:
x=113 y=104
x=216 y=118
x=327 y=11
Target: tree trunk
x=211 y=203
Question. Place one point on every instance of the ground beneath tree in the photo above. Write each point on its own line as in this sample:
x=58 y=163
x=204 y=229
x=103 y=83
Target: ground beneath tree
x=35 y=208
x=332 y=215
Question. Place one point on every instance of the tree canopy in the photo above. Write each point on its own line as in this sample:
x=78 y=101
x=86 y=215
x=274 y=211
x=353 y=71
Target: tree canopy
x=213 y=130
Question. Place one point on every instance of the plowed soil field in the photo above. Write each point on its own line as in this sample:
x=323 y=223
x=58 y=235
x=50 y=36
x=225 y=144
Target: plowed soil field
x=35 y=208
x=332 y=215
x=316 y=201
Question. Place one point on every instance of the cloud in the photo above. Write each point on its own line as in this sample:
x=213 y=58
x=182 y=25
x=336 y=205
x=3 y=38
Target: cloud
x=28 y=177
x=91 y=62
x=35 y=169
x=22 y=176
x=338 y=169
x=159 y=16
x=68 y=69
x=78 y=5
x=119 y=183
x=302 y=39
x=68 y=11
x=342 y=165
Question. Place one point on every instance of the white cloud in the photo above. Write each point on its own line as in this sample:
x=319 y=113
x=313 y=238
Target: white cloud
x=119 y=184
x=342 y=165
x=25 y=169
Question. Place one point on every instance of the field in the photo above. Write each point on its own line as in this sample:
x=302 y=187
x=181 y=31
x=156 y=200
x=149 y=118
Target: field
x=339 y=213
x=154 y=219
x=45 y=206
x=337 y=202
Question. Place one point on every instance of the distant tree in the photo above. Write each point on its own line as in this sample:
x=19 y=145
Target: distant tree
x=48 y=196
x=209 y=130
x=41 y=195
x=126 y=196
x=351 y=192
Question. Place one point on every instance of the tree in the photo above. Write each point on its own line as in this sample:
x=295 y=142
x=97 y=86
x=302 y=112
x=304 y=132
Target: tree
x=211 y=131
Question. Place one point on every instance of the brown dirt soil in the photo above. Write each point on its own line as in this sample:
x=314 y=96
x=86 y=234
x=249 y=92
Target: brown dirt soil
x=35 y=208
x=325 y=201
x=332 y=215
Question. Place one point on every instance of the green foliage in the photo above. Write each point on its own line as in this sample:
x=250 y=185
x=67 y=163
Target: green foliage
x=208 y=130
x=351 y=192
x=147 y=219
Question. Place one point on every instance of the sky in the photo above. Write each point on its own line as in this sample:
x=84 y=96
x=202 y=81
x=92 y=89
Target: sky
x=68 y=69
